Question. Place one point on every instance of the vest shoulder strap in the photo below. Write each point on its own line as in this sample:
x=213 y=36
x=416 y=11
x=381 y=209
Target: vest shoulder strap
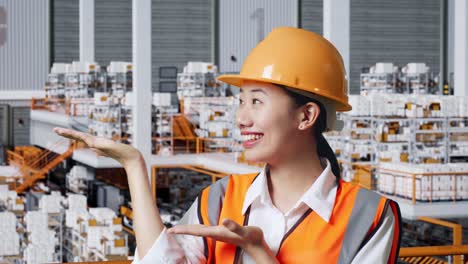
x=367 y=209
x=211 y=200
x=367 y=202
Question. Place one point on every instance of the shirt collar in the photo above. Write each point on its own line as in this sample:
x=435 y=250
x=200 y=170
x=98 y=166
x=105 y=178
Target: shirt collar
x=320 y=196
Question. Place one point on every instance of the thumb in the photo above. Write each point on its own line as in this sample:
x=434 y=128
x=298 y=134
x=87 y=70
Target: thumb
x=233 y=227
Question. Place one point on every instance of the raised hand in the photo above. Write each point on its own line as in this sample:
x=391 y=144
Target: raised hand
x=147 y=222
x=122 y=153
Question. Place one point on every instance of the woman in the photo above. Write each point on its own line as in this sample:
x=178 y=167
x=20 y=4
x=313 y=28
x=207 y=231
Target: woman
x=296 y=210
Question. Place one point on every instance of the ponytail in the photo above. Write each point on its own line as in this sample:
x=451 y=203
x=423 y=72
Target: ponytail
x=324 y=150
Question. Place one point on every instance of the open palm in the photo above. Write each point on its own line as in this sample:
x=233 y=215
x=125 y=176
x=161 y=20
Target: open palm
x=103 y=146
x=229 y=232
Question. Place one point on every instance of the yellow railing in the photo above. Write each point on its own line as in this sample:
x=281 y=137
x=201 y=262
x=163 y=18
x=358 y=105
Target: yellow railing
x=362 y=173
x=15 y=159
x=38 y=103
x=224 y=144
x=34 y=169
x=215 y=175
x=457 y=250
x=414 y=179
x=187 y=144
x=45 y=104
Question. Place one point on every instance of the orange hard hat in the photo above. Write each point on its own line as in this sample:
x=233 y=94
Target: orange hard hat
x=298 y=59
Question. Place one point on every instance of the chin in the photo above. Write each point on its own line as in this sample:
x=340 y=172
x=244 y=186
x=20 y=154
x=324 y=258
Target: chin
x=255 y=155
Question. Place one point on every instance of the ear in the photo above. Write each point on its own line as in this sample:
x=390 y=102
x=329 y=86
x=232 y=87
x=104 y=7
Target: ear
x=308 y=115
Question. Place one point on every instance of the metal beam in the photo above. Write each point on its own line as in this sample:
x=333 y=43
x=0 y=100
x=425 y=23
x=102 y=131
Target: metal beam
x=142 y=90
x=461 y=48
x=87 y=30
x=336 y=20
x=443 y=54
x=214 y=31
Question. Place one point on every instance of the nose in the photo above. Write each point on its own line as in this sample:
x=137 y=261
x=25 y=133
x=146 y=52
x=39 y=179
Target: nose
x=243 y=117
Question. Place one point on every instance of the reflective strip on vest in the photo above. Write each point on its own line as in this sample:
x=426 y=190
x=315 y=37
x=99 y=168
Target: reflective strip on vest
x=216 y=199
x=362 y=216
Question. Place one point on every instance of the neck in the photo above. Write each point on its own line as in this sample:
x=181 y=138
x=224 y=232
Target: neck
x=289 y=179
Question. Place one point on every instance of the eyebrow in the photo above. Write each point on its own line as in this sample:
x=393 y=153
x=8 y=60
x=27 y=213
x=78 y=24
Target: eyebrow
x=257 y=91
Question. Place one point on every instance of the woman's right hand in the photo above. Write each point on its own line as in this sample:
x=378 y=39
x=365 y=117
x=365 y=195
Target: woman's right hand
x=122 y=153
x=147 y=223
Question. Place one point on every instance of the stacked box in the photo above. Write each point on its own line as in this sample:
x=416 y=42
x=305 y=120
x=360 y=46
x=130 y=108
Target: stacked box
x=77 y=202
x=42 y=240
x=76 y=179
x=36 y=220
x=8 y=233
x=162 y=99
x=462 y=187
x=10 y=199
x=38 y=254
x=397 y=179
x=457 y=106
x=51 y=203
x=106 y=217
x=72 y=217
x=44 y=236
x=103 y=231
x=392 y=152
x=94 y=236
x=3 y=193
x=388 y=105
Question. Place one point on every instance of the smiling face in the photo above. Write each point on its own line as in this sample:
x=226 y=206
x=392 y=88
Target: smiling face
x=268 y=121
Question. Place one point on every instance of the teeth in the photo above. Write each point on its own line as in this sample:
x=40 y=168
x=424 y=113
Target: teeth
x=251 y=137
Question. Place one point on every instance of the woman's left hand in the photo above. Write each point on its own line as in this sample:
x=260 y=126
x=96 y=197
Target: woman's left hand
x=229 y=232
x=249 y=238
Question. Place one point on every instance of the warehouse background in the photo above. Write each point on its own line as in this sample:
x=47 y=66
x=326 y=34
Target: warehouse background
x=406 y=136
x=186 y=30
x=183 y=31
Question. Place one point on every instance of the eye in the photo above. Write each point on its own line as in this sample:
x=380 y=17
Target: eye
x=241 y=102
x=256 y=101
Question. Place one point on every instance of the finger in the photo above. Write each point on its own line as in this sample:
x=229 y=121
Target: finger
x=233 y=226
x=68 y=133
x=219 y=233
x=216 y=232
x=195 y=230
x=73 y=134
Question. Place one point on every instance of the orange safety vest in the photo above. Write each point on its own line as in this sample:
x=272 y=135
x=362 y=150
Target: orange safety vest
x=356 y=216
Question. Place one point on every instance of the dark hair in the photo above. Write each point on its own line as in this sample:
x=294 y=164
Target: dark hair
x=323 y=148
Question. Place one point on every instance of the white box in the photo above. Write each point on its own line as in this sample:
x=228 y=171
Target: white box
x=384 y=67
x=414 y=68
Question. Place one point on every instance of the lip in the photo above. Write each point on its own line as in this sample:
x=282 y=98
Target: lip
x=251 y=143
x=251 y=133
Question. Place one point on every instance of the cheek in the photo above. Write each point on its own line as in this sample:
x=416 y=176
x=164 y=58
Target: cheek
x=276 y=124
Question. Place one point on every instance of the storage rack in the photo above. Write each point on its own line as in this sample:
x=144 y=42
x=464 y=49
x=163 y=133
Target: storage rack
x=457 y=139
x=385 y=78
x=56 y=221
x=163 y=134
x=359 y=135
x=392 y=143
x=380 y=83
x=198 y=84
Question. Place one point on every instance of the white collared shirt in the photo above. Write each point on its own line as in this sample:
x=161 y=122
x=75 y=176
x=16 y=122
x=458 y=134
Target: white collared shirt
x=320 y=197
